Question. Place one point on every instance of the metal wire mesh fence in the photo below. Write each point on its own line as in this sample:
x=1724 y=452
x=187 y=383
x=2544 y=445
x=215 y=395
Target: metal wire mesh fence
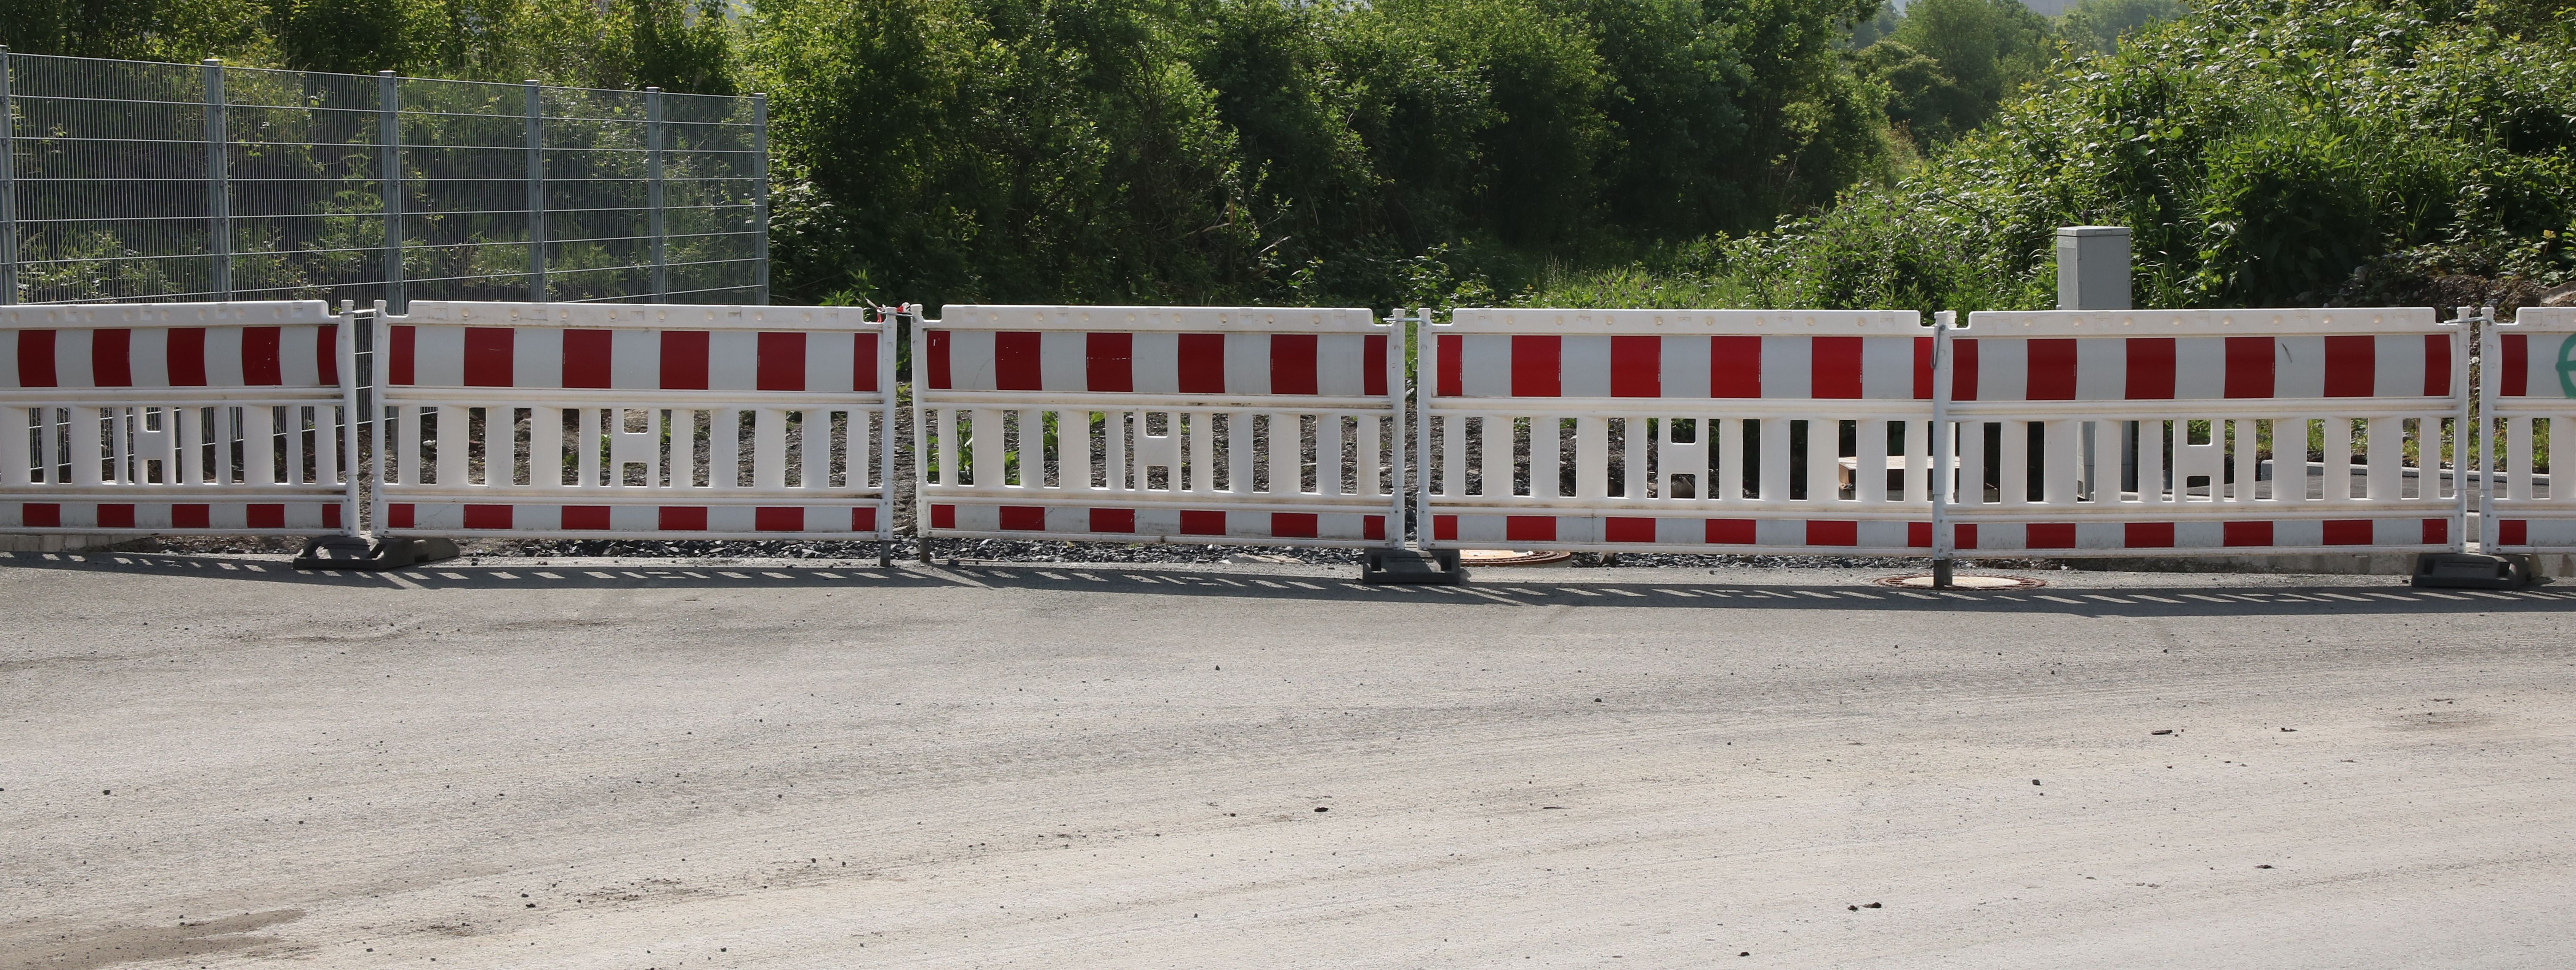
x=127 y=180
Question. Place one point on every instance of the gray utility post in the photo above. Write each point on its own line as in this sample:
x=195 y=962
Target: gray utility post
x=389 y=168
x=653 y=158
x=219 y=195
x=8 y=190
x=2093 y=274
x=536 y=193
x=760 y=199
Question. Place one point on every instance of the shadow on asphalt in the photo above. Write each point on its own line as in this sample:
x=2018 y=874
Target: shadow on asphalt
x=2362 y=594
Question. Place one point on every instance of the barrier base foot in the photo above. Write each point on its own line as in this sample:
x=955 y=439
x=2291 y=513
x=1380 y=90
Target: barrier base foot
x=2468 y=570
x=351 y=552
x=1432 y=567
x=885 y=555
x=1941 y=574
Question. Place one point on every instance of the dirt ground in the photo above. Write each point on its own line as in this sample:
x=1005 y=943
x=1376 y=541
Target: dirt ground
x=213 y=761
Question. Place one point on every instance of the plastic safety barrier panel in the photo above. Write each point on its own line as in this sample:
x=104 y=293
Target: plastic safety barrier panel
x=561 y=420
x=2528 y=392
x=1698 y=431
x=1160 y=424
x=2171 y=432
x=175 y=418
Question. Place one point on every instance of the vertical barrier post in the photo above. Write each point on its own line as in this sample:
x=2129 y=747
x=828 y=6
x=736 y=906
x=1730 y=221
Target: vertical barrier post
x=389 y=168
x=2471 y=421
x=346 y=349
x=8 y=189
x=2093 y=274
x=920 y=429
x=536 y=193
x=1426 y=382
x=892 y=318
x=760 y=199
x=219 y=216
x=1942 y=432
x=653 y=159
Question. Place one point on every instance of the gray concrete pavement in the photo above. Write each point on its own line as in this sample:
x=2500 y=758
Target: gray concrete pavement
x=210 y=762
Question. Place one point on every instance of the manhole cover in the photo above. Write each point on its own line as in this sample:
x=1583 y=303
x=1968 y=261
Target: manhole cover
x=1512 y=557
x=1924 y=581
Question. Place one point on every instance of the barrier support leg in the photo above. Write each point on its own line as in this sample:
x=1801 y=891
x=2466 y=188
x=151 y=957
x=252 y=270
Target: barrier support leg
x=1941 y=573
x=885 y=554
x=925 y=550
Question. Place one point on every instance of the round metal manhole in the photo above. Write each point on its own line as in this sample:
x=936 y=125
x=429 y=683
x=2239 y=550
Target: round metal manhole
x=1510 y=557
x=1960 y=581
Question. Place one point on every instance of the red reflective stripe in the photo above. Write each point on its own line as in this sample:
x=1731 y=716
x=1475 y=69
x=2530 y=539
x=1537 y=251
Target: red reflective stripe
x=863 y=519
x=35 y=358
x=2148 y=535
x=2347 y=532
x=1620 y=529
x=42 y=515
x=111 y=363
x=1016 y=365
x=1637 y=370
x=1833 y=533
x=1537 y=361
x=684 y=368
x=2437 y=365
x=684 y=518
x=1292 y=363
x=1835 y=363
x=326 y=359
x=2517 y=365
x=1373 y=527
x=2351 y=367
x=2052 y=371
x=2437 y=531
x=2049 y=535
x=1373 y=365
x=264 y=516
x=185 y=356
x=2246 y=533
x=585 y=358
x=939 y=365
x=2509 y=532
x=1444 y=527
x=943 y=516
x=1452 y=370
x=1202 y=366
x=1024 y=518
x=1202 y=523
x=1529 y=528
x=2151 y=369
x=1113 y=520
x=487 y=517
x=398 y=515
x=1729 y=532
x=773 y=519
x=259 y=356
x=1294 y=525
x=863 y=366
x=781 y=362
x=330 y=516
x=1109 y=365
x=1923 y=387
x=2249 y=367
x=1734 y=368
x=121 y=516
x=1918 y=535
x=490 y=354
x=1963 y=377
x=585 y=518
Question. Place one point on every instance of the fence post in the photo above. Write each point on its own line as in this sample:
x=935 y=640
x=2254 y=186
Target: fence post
x=219 y=215
x=760 y=199
x=389 y=167
x=653 y=157
x=9 y=189
x=536 y=194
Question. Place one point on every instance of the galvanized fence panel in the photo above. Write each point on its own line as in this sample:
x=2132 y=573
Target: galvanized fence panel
x=2176 y=432
x=1160 y=424
x=2527 y=393
x=1694 y=431
x=533 y=420
x=127 y=180
x=222 y=418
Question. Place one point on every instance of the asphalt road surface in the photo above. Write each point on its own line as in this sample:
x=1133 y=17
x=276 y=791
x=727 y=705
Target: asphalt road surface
x=221 y=763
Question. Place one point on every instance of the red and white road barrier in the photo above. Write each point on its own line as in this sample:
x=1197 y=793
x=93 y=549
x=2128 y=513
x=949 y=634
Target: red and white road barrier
x=2529 y=392
x=1160 y=424
x=176 y=418
x=564 y=420
x=1734 y=431
x=2164 y=432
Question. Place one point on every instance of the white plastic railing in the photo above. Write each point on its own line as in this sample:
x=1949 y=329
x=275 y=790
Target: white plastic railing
x=1700 y=431
x=2528 y=392
x=1160 y=424
x=2152 y=432
x=562 y=420
x=176 y=417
